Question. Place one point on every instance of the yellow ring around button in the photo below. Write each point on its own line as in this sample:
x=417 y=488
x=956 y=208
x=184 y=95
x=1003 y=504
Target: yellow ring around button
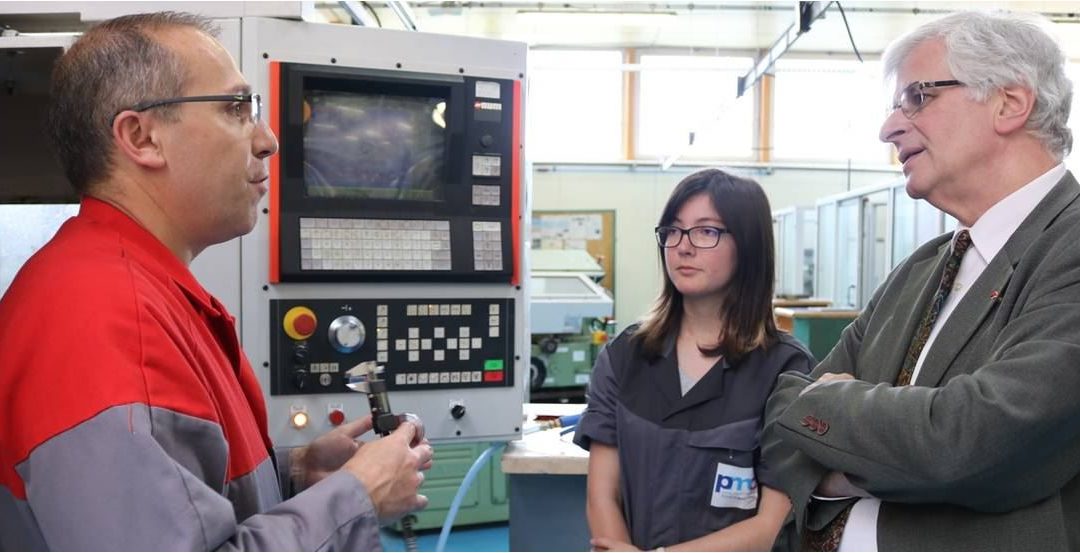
x=291 y=318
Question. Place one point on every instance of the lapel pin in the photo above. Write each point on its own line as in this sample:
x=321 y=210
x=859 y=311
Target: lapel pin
x=995 y=296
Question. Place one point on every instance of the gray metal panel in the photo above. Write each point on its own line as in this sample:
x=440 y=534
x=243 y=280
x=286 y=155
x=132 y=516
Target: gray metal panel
x=99 y=11
x=492 y=414
x=24 y=229
x=556 y=499
x=218 y=270
x=562 y=312
x=379 y=49
x=229 y=37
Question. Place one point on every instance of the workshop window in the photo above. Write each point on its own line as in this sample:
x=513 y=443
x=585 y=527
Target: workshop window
x=574 y=105
x=829 y=111
x=680 y=95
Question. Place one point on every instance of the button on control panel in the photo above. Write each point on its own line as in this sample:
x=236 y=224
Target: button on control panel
x=424 y=344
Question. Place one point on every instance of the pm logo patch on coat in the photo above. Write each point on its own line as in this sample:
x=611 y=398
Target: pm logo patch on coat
x=734 y=487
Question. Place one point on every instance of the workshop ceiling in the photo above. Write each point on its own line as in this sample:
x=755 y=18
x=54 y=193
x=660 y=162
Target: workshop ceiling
x=703 y=25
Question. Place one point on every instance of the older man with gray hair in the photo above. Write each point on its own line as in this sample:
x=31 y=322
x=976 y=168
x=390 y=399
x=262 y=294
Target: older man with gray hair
x=946 y=416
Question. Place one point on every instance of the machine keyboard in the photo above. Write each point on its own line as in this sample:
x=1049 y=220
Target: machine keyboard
x=374 y=244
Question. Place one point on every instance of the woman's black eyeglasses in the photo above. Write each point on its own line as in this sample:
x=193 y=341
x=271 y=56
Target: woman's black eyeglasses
x=700 y=237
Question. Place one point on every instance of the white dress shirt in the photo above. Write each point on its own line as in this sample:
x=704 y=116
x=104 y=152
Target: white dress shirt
x=988 y=236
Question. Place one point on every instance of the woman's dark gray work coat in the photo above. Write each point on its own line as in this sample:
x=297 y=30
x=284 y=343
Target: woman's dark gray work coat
x=688 y=465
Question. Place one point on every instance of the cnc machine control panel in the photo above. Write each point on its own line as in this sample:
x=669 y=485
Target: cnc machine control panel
x=424 y=344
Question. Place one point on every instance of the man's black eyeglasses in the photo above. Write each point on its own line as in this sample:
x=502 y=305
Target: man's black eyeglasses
x=247 y=105
x=912 y=99
x=700 y=237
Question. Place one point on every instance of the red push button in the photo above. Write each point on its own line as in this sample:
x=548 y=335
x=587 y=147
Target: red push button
x=493 y=376
x=336 y=417
x=304 y=325
x=300 y=323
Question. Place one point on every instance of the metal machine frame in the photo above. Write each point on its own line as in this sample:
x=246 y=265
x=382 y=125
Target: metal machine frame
x=491 y=414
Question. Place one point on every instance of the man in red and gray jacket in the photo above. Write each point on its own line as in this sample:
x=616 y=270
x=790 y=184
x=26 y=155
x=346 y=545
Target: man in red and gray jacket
x=130 y=418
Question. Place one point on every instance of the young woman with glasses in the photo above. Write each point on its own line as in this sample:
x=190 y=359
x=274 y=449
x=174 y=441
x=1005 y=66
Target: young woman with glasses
x=676 y=401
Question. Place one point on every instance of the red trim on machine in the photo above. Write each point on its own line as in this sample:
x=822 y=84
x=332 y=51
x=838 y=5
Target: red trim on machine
x=274 y=104
x=515 y=182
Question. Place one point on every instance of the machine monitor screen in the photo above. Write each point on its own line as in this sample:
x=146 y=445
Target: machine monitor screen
x=392 y=175
x=374 y=146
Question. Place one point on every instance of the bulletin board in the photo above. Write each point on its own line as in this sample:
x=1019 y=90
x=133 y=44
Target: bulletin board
x=592 y=231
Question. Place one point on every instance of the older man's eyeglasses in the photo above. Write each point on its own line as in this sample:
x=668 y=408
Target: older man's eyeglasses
x=700 y=237
x=913 y=97
x=244 y=107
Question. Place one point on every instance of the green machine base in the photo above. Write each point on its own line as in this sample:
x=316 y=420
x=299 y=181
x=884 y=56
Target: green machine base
x=569 y=365
x=821 y=335
x=486 y=501
x=561 y=364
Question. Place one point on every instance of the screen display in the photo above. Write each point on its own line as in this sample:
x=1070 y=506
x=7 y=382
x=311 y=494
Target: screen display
x=374 y=146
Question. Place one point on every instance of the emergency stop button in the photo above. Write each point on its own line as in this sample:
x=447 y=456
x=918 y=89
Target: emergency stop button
x=300 y=323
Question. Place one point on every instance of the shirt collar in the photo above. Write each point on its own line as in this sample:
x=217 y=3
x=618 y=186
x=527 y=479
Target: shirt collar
x=150 y=252
x=668 y=352
x=993 y=229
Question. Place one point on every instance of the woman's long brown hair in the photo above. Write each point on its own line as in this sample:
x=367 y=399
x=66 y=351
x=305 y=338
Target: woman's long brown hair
x=747 y=309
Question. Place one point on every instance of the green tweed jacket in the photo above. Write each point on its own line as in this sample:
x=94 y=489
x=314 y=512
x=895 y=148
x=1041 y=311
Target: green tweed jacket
x=982 y=452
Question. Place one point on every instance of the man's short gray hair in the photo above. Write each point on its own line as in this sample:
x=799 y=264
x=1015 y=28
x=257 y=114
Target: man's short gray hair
x=988 y=51
x=113 y=66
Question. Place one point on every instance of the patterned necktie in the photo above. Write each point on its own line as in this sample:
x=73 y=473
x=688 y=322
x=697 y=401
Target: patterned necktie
x=960 y=245
x=828 y=538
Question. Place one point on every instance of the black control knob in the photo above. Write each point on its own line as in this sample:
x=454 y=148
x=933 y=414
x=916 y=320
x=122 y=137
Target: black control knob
x=300 y=379
x=457 y=410
x=549 y=345
x=486 y=141
x=300 y=353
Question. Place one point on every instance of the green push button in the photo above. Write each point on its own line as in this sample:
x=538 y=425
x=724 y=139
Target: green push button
x=493 y=365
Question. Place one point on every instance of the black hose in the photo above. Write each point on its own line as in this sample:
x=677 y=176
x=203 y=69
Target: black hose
x=408 y=534
x=848 y=27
